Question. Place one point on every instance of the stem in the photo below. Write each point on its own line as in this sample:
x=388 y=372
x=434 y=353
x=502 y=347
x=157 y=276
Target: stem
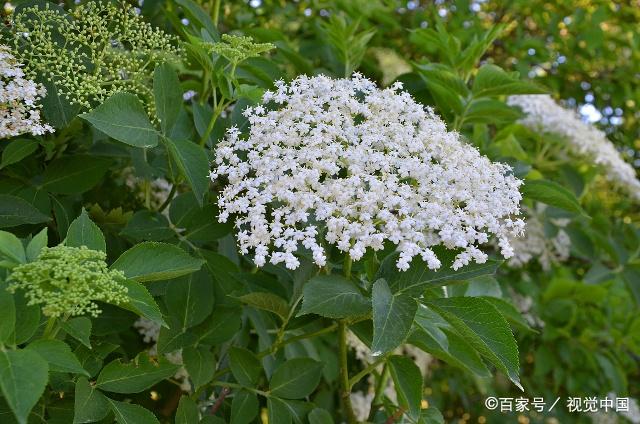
x=346 y=267
x=239 y=387
x=169 y=198
x=48 y=330
x=379 y=390
x=216 y=11
x=217 y=111
x=353 y=380
x=345 y=392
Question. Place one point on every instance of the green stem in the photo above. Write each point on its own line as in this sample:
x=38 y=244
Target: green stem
x=239 y=386
x=169 y=198
x=346 y=267
x=353 y=380
x=217 y=111
x=216 y=11
x=381 y=384
x=48 y=330
x=345 y=391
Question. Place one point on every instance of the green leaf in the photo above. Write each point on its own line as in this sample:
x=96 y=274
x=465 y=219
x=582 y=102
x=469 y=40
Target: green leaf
x=173 y=337
x=489 y=111
x=479 y=323
x=193 y=163
x=509 y=312
x=152 y=261
x=167 y=95
x=492 y=80
x=244 y=407
x=7 y=313
x=148 y=225
x=57 y=109
x=58 y=354
x=23 y=378
x=200 y=223
x=392 y=318
x=29 y=321
x=283 y=411
x=11 y=248
x=89 y=405
x=444 y=76
x=198 y=15
x=135 y=376
x=218 y=328
x=434 y=335
x=200 y=364
x=141 y=302
x=128 y=413
x=407 y=380
x=37 y=243
x=79 y=328
x=187 y=412
x=431 y=415
x=457 y=351
x=552 y=194
x=267 y=302
x=320 y=416
x=245 y=366
x=296 y=378
x=190 y=298
x=333 y=296
x=84 y=232
x=74 y=174
x=278 y=411
x=17 y=150
x=16 y=211
x=123 y=118
x=418 y=277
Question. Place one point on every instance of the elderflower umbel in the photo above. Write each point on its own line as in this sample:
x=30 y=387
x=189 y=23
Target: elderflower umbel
x=68 y=280
x=94 y=51
x=583 y=139
x=344 y=161
x=19 y=97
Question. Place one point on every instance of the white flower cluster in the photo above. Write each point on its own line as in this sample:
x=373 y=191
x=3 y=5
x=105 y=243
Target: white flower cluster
x=150 y=332
x=361 y=404
x=583 y=139
x=344 y=161
x=536 y=245
x=19 y=97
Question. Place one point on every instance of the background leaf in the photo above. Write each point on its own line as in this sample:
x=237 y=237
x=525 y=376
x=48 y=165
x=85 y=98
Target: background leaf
x=152 y=261
x=84 y=232
x=23 y=378
x=123 y=118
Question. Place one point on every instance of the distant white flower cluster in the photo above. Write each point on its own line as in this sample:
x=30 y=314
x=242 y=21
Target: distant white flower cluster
x=344 y=162
x=544 y=114
x=19 y=97
x=536 y=245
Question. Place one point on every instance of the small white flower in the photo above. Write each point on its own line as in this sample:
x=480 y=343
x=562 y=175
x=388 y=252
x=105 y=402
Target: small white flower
x=19 y=98
x=585 y=140
x=188 y=95
x=345 y=163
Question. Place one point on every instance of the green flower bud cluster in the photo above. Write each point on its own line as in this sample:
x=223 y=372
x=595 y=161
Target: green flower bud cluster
x=93 y=52
x=68 y=280
x=237 y=48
